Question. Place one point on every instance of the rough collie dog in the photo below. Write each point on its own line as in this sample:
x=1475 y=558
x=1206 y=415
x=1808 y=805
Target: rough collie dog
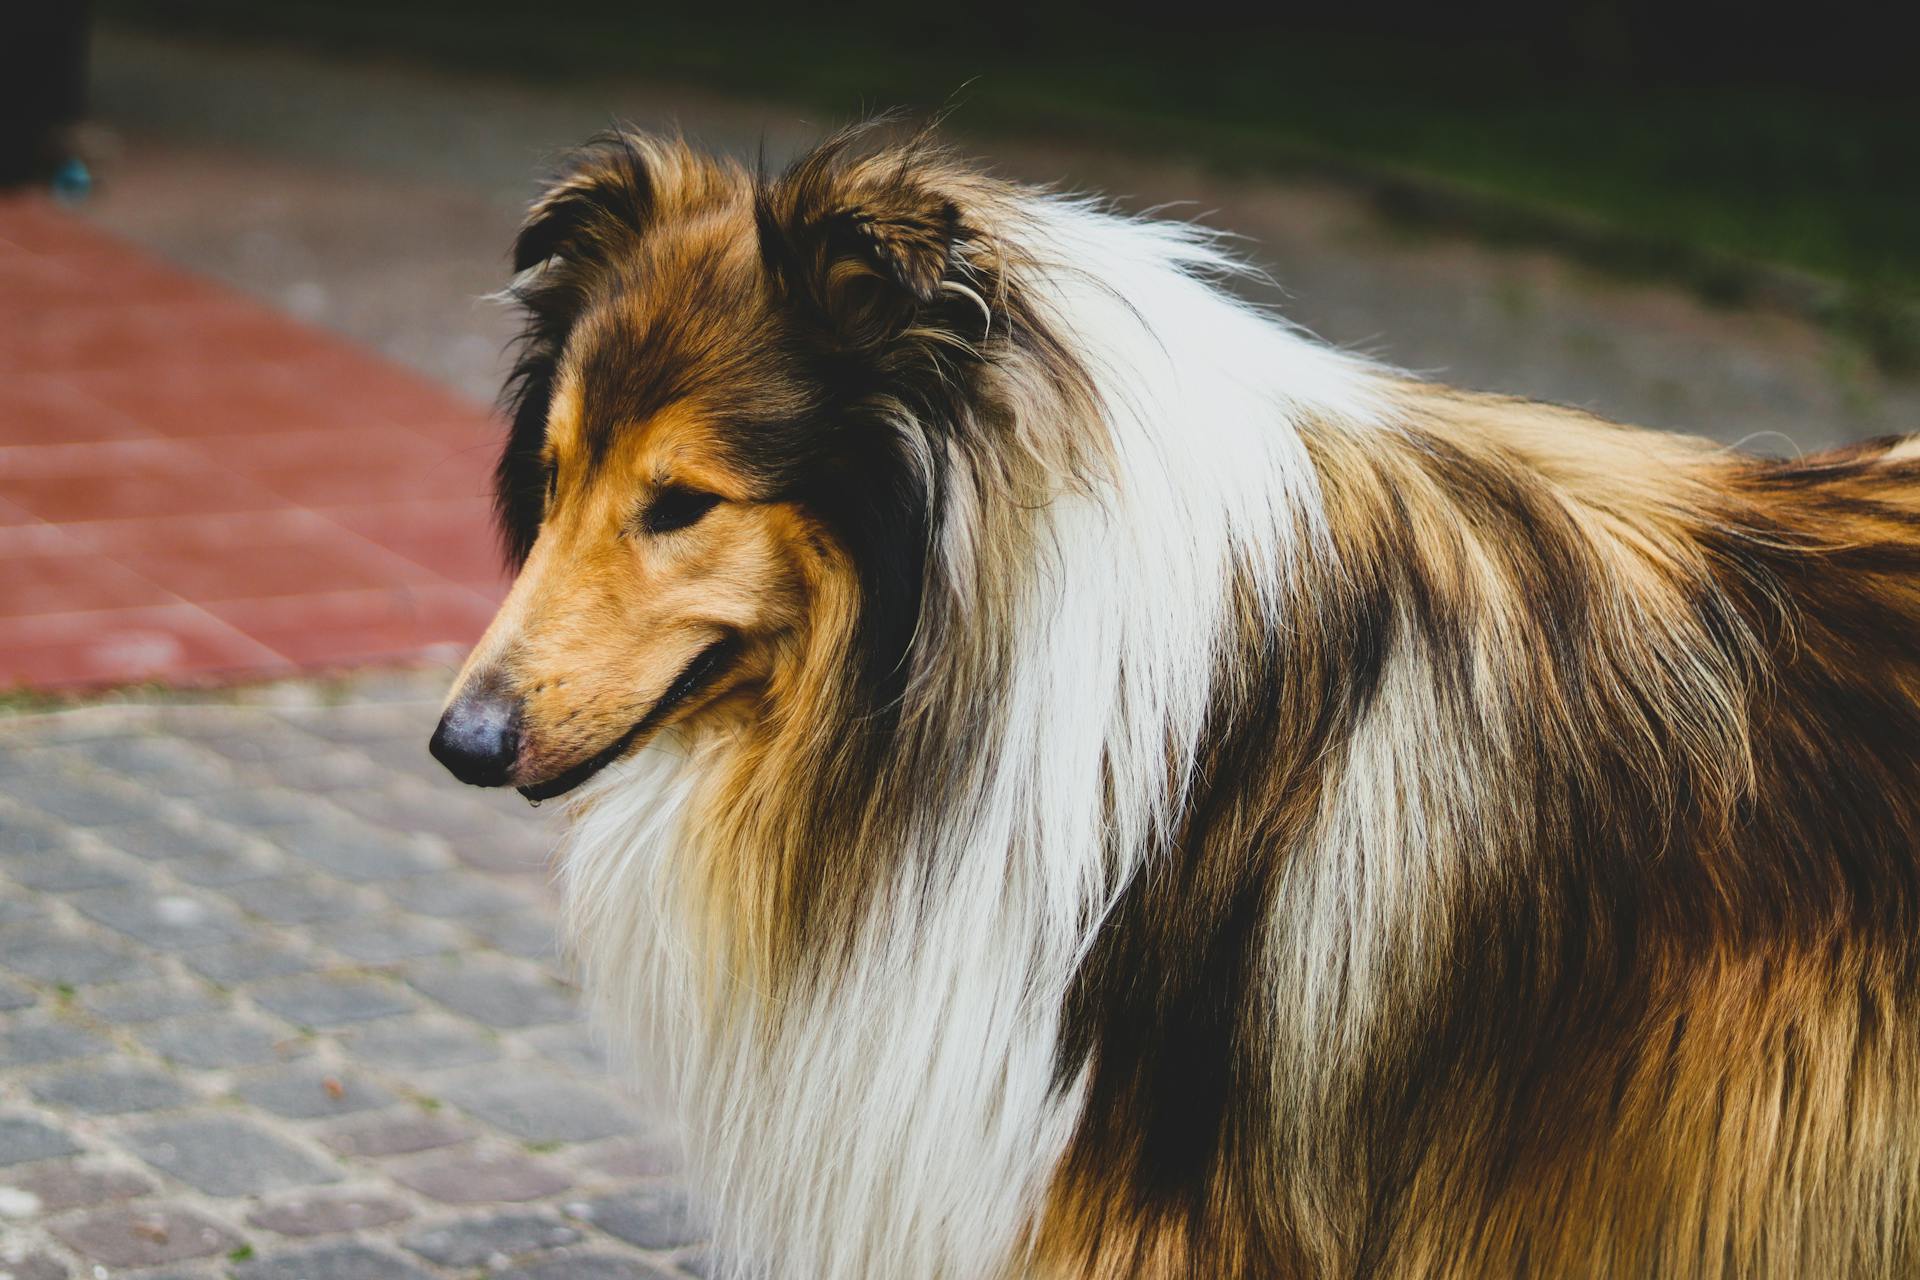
x=1077 y=780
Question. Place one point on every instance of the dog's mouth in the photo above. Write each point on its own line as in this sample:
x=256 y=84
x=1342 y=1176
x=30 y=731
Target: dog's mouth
x=704 y=668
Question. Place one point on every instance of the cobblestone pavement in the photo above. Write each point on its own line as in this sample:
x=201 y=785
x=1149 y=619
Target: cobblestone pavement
x=278 y=1001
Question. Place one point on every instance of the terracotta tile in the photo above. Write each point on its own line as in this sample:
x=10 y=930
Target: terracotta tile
x=215 y=400
x=32 y=223
x=110 y=334
x=72 y=580
x=344 y=446
x=91 y=335
x=362 y=383
x=119 y=646
x=392 y=470
x=35 y=283
x=484 y=436
x=239 y=329
x=49 y=409
x=358 y=626
x=122 y=480
x=31 y=537
x=453 y=537
x=249 y=555
x=159 y=436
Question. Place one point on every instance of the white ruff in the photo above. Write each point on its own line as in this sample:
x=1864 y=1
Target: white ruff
x=901 y=1124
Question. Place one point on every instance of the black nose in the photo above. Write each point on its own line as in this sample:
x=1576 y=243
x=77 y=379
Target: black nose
x=479 y=737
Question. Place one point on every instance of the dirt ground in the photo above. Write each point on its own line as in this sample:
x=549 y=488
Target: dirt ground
x=378 y=200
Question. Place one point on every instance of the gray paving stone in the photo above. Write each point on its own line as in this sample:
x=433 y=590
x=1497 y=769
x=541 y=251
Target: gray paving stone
x=326 y=1002
x=457 y=894
x=309 y=1091
x=263 y=740
x=166 y=921
x=248 y=962
x=296 y=899
x=481 y=1177
x=72 y=1184
x=226 y=1156
x=23 y=1138
x=24 y=833
x=529 y=936
x=133 y=1002
x=301 y=841
x=110 y=1089
x=389 y=939
x=36 y=1266
x=649 y=1155
x=328 y=1213
x=356 y=851
x=38 y=950
x=263 y=809
x=334 y=774
x=35 y=1043
x=91 y=803
x=408 y=807
x=343 y=1260
x=360 y=723
x=473 y=1242
x=217 y=868
x=166 y=841
x=574 y=1046
x=583 y=1266
x=218 y=1040
x=420 y=1044
x=164 y=764
x=21 y=759
x=539 y=1107
x=59 y=870
x=649 y=1218
x=196 y=722
x=390 y=1135
x=497 y=994
x=144 y=1235
x=507 y=851
x=407 y=756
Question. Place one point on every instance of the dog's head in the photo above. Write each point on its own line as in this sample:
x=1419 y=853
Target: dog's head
x=707 y=488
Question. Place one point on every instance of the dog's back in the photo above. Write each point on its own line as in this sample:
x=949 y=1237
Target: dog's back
x=1609 y=812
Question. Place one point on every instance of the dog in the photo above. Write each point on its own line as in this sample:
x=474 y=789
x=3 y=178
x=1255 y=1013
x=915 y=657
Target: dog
x=1070 y=777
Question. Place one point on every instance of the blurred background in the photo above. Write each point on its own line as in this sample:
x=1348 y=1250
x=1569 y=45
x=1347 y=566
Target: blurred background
x=276 y=999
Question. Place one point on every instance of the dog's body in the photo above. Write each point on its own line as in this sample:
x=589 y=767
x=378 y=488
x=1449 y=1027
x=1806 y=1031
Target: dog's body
x=1146 y=796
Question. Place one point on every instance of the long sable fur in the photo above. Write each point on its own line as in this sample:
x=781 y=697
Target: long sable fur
x=1250 y=813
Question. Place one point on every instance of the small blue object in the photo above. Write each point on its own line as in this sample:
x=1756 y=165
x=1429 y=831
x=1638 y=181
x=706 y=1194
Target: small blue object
x=72 y=181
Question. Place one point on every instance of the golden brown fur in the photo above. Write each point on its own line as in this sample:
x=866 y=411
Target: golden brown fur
x=1670 y=1028
x=1539 y=898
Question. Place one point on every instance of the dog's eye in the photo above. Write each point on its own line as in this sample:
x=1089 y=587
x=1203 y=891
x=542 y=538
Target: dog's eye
x=676 y=508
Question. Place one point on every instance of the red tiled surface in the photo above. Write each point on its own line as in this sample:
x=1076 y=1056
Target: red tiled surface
x=195 y=487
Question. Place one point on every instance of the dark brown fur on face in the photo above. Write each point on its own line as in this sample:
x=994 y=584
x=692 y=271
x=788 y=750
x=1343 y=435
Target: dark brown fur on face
x=1540 y=897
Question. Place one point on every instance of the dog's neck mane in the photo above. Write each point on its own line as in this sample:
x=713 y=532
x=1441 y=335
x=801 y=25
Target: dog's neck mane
x=876 y=1019
x=914 y=1059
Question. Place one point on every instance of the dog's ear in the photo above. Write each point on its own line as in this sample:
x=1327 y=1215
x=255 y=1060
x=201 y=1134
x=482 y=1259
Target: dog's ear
x=603 y=196
x=863 y=246
x=601 y=200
